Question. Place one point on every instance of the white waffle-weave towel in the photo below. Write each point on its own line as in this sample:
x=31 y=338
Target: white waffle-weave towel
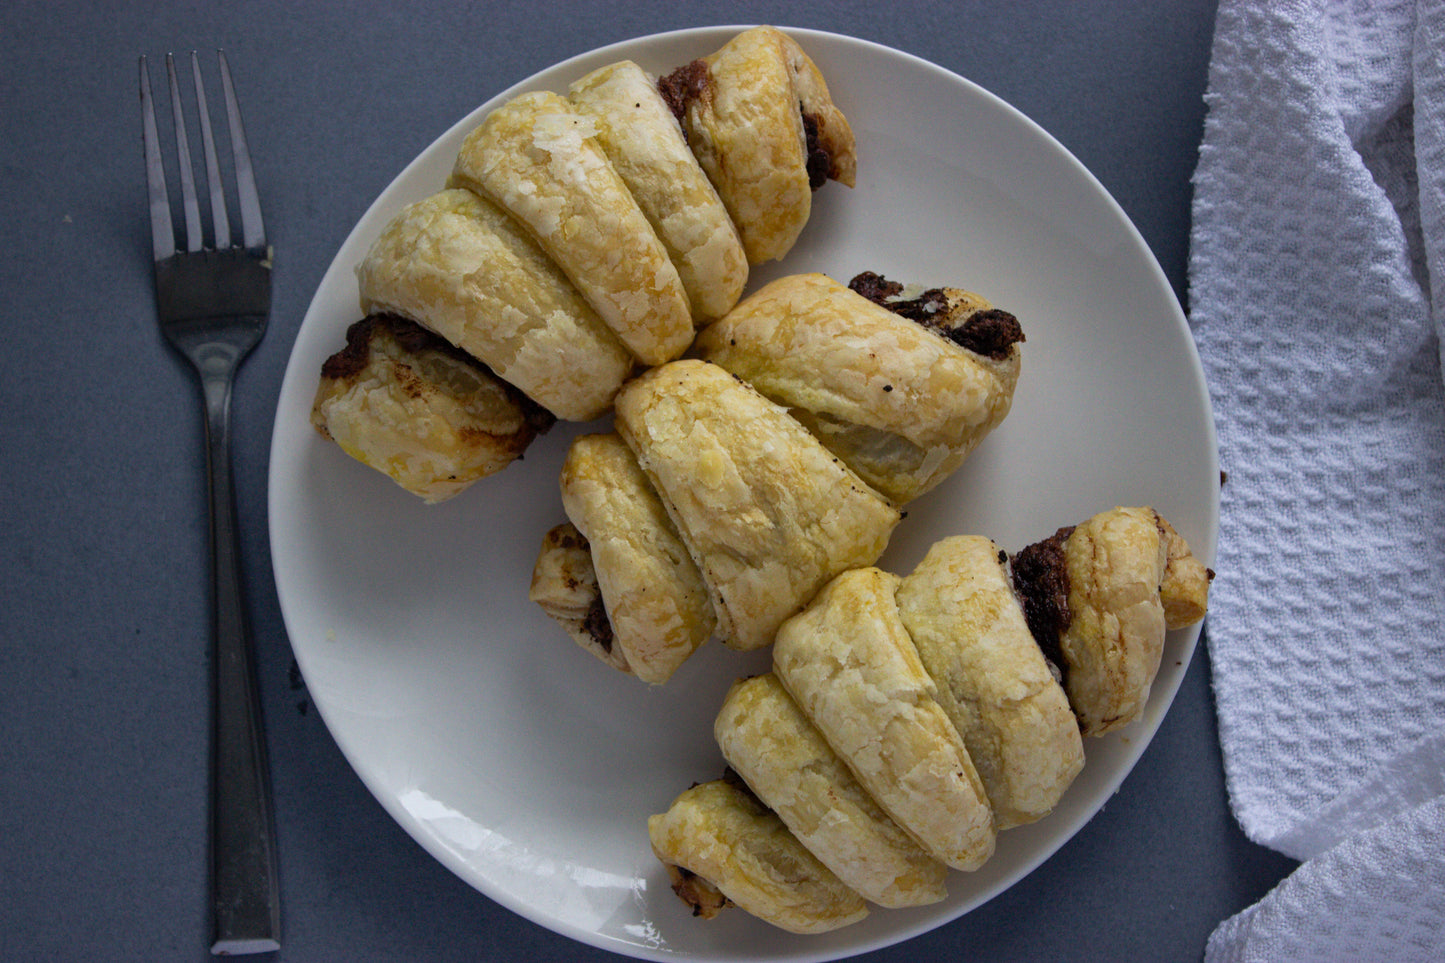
x=1318 y=252
x=1376 y=896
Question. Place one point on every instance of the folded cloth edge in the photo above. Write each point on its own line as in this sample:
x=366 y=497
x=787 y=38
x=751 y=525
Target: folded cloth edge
x=1379 y=894
x=1404 y=781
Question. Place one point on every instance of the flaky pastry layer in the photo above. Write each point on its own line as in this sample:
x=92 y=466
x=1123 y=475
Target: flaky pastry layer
x=902 y=404
x=767 y=513
x=768 y=740
x=959 y=608
x=655 y=599
x=461 y=267
x=718 y=831
x=849 y=663
x=538 y=158
x=647 y=148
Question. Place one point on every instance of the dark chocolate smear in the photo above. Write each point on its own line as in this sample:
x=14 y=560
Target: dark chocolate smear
x=991 y=332
x=683 y=86
x=597 y=625
x=819 y=162
x=1041 y=579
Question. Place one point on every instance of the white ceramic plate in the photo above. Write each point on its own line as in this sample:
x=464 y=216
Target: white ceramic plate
x=529 y=768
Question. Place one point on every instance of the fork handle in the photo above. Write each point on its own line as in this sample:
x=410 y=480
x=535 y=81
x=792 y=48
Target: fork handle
x=244 y=890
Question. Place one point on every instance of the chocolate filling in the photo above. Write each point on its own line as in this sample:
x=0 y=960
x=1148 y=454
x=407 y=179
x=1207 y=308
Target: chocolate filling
x=705 y=899
x=874 y=286
x=820 y=162
x=991 y=332
x=568 y=537
x=683 y=86
x=350 y=360
x=733 y=778
x=1041 y=579
x=597 y=625
x=690 y=81
x=412 y=337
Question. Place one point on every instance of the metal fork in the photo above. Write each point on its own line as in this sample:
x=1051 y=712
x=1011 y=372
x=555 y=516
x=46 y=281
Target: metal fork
x=213 y=304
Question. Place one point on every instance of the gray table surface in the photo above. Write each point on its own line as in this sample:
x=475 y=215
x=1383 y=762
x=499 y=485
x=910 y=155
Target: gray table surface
x=103 y=665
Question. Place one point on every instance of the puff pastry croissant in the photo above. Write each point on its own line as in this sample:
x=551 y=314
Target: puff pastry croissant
x=908 y=719
x=782 y=453
x=900 y=389
x=762 y=123
x=766 y=512
x=581 y=236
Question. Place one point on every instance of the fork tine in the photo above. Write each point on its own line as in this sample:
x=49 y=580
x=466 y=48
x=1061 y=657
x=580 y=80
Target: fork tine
x=163 y=241
x=219 y=220
x=253 y=232
x=183 y=150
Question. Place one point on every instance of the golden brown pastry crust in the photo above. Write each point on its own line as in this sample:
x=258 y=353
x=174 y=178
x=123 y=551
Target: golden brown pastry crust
x=1115 y=637
x=538 y=159
x=655 y=599
x=746 y=127
x=766 y=512
x=1185 y=589
x=959 y=608
x=786 y=761
x=400 y=399
x=718 y=831
x=902 y=405
x=460 y=266
x=647 y=148
x=850 y=665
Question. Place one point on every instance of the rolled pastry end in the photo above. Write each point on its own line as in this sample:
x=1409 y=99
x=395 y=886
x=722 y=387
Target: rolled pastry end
x=721 y=845
x=1185 y=591
x=1094 y=597
x=564 y=585
x=761 y=122
x=429 y=416
x=655 y=599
